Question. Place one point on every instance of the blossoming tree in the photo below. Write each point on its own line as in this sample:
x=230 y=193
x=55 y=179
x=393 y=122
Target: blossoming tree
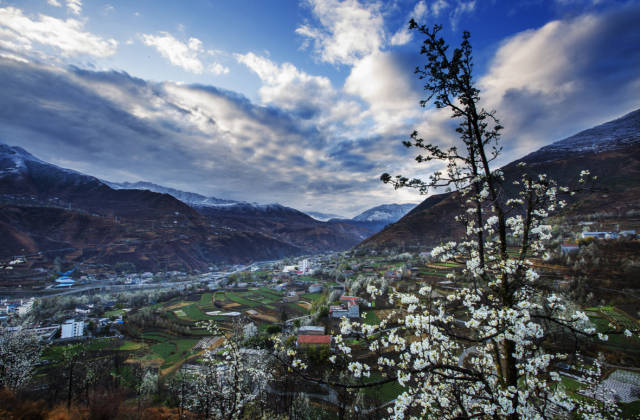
x=19 y=354
x=483 y=351
x=228 y=380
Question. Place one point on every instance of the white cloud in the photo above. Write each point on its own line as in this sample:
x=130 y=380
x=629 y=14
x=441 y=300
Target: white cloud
x=387 y=88
x=462 y=7
x=438 y=6
x=74 y=6
x=185 y=55
x=403 y=35
x=349 y=30
x=218 y=69
x=568 y=75
x=286 y=86
x=18 y=32
x=55 y=3
x=311 y=98
x=178 y=53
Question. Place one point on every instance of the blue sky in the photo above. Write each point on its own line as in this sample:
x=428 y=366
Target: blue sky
x=303 y=103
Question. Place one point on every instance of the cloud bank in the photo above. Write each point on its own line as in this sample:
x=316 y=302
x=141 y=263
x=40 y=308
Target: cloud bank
x=307 y=141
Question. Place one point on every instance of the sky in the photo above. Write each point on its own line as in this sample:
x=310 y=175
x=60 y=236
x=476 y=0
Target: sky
x=304 y=103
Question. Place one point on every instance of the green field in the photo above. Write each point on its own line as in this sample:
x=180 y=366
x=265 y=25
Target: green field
x=236 y=297
x=385 y=392
x=312 y=296
x=173 y=351
x=370 y=318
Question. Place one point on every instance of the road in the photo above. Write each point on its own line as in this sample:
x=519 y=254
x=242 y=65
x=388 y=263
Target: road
x=119 y=287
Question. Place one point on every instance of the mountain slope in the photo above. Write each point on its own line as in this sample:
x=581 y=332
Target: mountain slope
x=285 y=224
x=56 y=212
x=610 y=151
x=64 y=213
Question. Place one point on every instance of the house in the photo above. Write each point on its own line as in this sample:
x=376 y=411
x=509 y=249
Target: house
x=311 y=330
x=350 y=310
x=567 y=248
x=315 y=288
x=72 y=328
x=345 y=299
x=337 y=311
x=600 y=235
x=289 y=268
x=353 y=310
x=25 y=307
x=291 y=297
x=313 y=340
x=83 y=309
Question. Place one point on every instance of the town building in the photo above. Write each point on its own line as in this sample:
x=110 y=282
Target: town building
x=25 y=307
x=316 y=288
x=567 y=248
x=313 y=340
x=72 y=328
x=350 y=309
x=311 y=330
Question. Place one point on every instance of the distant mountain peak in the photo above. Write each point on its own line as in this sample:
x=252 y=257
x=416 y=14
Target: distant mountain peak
x=190 y=198
x=323 y=217
x=14 y=158
x=385 y=212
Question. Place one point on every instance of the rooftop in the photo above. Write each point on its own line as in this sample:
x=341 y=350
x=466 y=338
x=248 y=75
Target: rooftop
x=314 y=339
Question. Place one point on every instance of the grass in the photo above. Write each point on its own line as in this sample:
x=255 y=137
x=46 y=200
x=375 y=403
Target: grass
x=115 y=313
x=385 y=392
x=267 y=291
x=571 y=385
x=194 y=313
x=206 y=299
x=615 y=341
x=131 y=345
x=174 y=351
x=241 y=300
x=297 y=307
x=631 y=410
x=370 y=318
x=312 y=296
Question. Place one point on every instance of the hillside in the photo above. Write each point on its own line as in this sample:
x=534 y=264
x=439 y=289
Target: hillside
x=50 y=212
x=280 y=222
x=610 y=151
x=53 y=212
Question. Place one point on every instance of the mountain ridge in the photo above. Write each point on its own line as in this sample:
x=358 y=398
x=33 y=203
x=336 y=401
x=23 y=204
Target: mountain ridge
x=610 y=151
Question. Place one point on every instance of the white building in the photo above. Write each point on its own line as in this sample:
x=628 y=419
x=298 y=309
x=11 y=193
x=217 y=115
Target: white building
x=72 y=328
x=25 y=307
x=305 y=266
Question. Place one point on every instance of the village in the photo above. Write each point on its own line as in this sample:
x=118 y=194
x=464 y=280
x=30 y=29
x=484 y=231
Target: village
x=156 y=320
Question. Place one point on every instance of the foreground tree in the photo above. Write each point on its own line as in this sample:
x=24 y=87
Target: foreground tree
x=484 y=351
x=227 y=381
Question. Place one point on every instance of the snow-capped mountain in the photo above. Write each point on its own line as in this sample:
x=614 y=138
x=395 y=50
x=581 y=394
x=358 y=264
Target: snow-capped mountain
x=323 y=217
x=190 y=198
x=617 y=134
x=284 y=223
x=385 y=213
x=14 y=159
x=18 y=165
